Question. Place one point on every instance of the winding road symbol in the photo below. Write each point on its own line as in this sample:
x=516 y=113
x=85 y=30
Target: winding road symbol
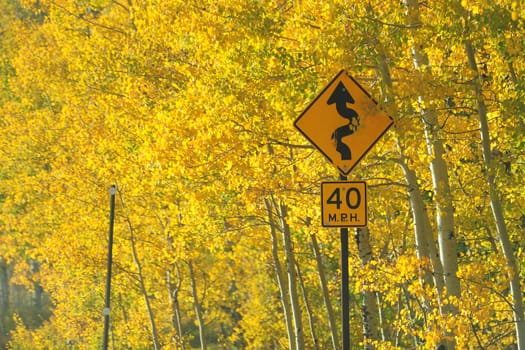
x=343 y=122
x=341 y=97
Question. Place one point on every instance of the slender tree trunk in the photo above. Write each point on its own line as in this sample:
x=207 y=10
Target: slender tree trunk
x=405 y=298
x=283 y=286
x=438 y=169
x=495 y=204
x=369 y=308
x=311 y=317
x=425 y=245
x=382 y=324
x=143 y=290
x=326 y=295
x=292 y=278
x=125 y=320
x=424 y=238
x=197 y=307
x=4 y=295
x=173 y=292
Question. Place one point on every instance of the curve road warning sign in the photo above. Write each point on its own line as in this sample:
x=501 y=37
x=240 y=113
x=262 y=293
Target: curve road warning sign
x=343 y=122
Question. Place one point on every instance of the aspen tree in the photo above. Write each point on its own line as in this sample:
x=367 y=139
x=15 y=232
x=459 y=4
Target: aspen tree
x=308 y=307
x=369 y=308
x=324 y=289
x=282 y=211
x=438 y=168
x=281 y=280
x=495 y=202
x=141 y=278
x=189 y=106
x=197 y=307
x=173 y=293
x=425 y=246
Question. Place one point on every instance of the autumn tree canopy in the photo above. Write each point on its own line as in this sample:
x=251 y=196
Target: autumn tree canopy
x=188 y=108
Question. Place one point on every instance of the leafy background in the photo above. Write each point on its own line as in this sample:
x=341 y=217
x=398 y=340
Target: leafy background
x=188 y=108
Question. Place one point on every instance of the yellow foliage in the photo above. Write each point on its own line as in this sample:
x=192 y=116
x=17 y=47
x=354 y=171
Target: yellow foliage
x=188 y=107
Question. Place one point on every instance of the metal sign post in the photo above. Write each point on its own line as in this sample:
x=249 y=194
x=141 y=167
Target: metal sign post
x=106 y=311
x=345 y=293
x=343 y=123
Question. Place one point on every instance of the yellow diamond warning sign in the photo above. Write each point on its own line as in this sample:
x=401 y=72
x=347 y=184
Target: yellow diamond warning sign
x=343 y=122
x=344 y=204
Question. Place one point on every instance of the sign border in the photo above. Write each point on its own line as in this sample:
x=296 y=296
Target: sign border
x=365 y=204
x=343 y=71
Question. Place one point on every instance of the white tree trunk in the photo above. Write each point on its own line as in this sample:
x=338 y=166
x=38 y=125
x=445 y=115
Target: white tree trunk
x=140 y=275
x=439 y=173
x=309 y=312
x=197 y=307
x=425 y=244
x=292 y=278
x=370 y=312
x=173 y=292
x=495 y=204
x=154 y=334
x=281 y=282
x=326 y=295
x=438 y=169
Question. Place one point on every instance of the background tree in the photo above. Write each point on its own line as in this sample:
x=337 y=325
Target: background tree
x=188 y=107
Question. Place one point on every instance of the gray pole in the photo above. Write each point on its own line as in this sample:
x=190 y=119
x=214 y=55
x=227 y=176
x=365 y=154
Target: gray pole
x=344 y=285
x=112 y=192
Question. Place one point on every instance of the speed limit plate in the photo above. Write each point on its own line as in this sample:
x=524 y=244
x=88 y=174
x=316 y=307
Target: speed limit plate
x=343 y=204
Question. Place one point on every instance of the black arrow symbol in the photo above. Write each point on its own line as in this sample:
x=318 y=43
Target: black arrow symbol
x=341 y=97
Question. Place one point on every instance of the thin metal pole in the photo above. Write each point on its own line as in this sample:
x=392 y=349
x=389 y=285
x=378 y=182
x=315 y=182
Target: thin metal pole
x=106 y=312
x=345 y=294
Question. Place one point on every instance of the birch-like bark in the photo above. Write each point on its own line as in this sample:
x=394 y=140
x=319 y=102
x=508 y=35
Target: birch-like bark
x=423 y=230
x=324 y=289
x=292 y=278
x=197 y=307
x=311 y=317
x=142 y=284
x=495 y=204
x=173 y=293
x=370 y=312
x=143 y=290
x=382 y=324
x=425 y=246
x=438 y=170
x=281 y=282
